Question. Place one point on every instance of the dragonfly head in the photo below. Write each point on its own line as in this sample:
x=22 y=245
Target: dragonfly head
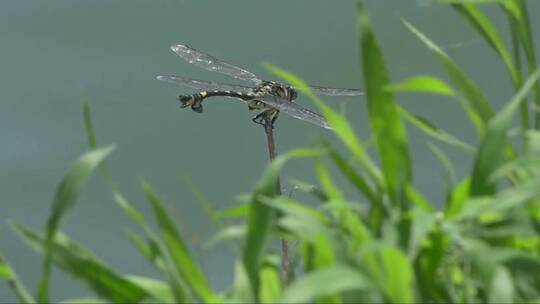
x=292 y=93
x=194 y=101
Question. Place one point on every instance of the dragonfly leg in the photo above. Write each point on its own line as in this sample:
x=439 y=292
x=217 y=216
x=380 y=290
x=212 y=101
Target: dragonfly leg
x=274 y=117
x=266 y=118
x=259 y=119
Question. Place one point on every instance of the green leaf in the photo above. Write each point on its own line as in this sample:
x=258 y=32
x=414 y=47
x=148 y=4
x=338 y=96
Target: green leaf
x=488 y=31
x=270 y=284
x=92 y=142
x=157 y=289
x=235 y=232
x=533 y=138
x=261 y=217
x=430 y=129
x=423 y=223
x=523 y=168
x=502 y=287
x=511 y=198
x=185 y=265
x=475 y=103
x=297 y=219
x=67 y=193
x=352 y=176
x=508 y=4
x=145 y=249
x=417 y=199
x=513 y=8
x=90 y=134
x=242 y=291
x=153 y=250
x=382 y=263
x=5 y=270
x=307 y=188
x=348 y=220
x=333 y=192
x=487 y=260
x=457 y=199
x=234 y=211
x=449 y=173
x=490 y=154
x=324 y=282
x=430 y=262
x=423 y=83
x=203 y=201
x=8 y=274
x=320 y=253
x=388 y=130
x=85 y=266
x=128 y=209
x=522 y=32
x=289 y=206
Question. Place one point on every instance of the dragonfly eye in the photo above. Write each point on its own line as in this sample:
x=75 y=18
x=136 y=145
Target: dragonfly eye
x=293 y=94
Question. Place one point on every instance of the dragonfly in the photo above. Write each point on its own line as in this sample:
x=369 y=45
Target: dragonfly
x=269 y=97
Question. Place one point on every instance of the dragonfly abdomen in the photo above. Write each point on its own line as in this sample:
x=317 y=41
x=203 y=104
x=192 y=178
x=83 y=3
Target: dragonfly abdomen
x=195 y=100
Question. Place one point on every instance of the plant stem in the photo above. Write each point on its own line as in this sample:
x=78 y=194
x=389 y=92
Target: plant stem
x=268 y=125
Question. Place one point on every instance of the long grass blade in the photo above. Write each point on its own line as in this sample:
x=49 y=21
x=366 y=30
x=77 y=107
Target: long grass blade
x=430 y=129
x=352 y=176
x=65 y=198
x=489 y=32
x=449 y=172
x=153 y=250
x=270 y=284
x=380 y=262
x=511 y=198
x=261 y=217
x=324 y=282
x=92 y=141
x=422 y=84
x=157 y=289
x=525 y=34
x=7 y=273
x=388 y=129
x=491 y=151
x=85 y=266
x=178 y=251
x=475 y=103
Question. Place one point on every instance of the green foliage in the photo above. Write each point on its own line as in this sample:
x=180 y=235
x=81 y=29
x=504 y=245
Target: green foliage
x=388 y=245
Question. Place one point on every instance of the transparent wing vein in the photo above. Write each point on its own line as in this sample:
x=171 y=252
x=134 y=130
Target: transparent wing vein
x=294 y=110
x=210 y=63
x=205 y=85
x=336 y=91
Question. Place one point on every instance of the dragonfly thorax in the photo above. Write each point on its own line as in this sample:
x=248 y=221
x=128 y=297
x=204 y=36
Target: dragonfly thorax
x=273 y=88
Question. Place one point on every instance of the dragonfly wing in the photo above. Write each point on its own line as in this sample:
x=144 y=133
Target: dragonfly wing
x=294 y=110
x=210 y=63
x=205 y=85
x=336 y=91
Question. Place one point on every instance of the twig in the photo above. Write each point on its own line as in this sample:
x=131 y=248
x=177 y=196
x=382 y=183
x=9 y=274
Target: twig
x=268 y=124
